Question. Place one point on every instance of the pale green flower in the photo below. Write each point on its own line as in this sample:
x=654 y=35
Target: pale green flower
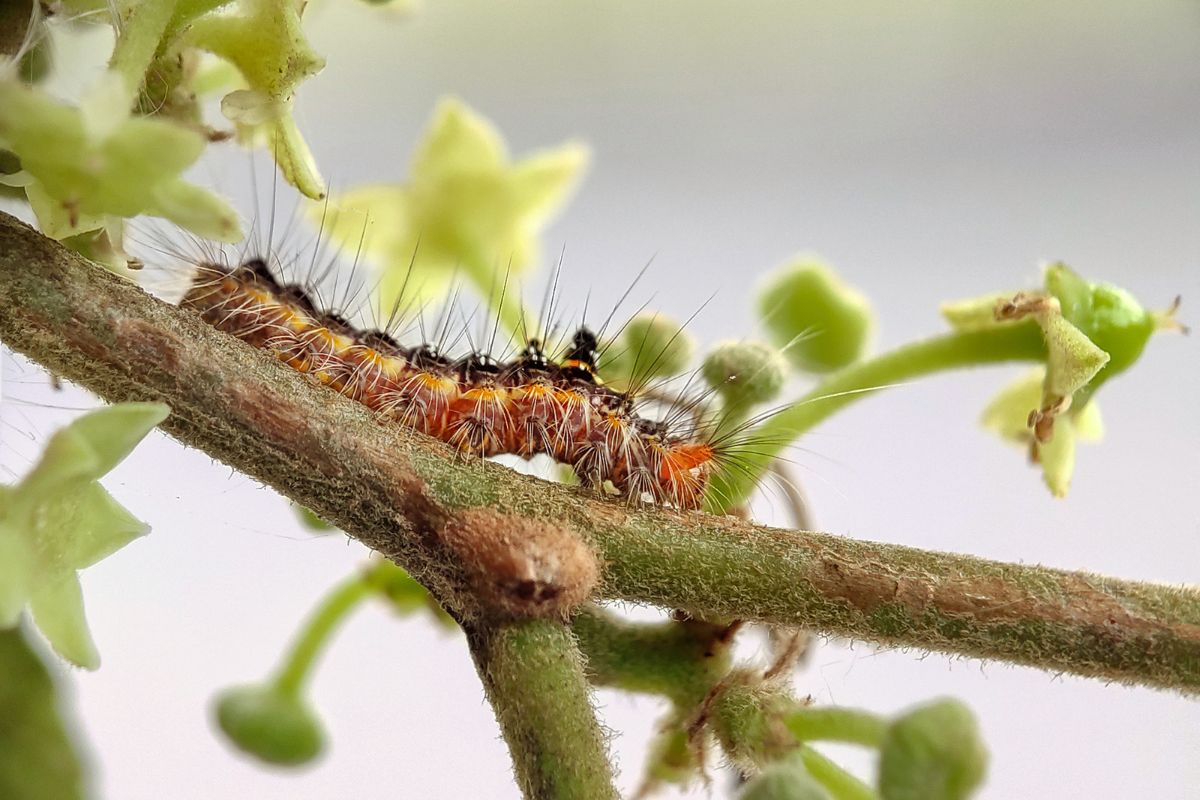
x=1093 y=332
x=465 y=206
x=264 y=40
x=1008 y=415
x=83 y=166
x=59 y=520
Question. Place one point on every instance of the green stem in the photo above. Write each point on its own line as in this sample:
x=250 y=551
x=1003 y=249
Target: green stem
x=677 y=660
x=139 y=35
x=734 y=482
x=835 y=724
x=840 y=783
x=317 y=629
x=188 y=10
x=533 y=675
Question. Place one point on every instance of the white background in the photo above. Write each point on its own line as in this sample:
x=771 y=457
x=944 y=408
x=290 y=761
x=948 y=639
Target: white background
x=933 y=151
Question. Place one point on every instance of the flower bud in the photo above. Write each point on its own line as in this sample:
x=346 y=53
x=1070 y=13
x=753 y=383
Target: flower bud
x=745 y=373
x=651 y=346
x=272 y=725
x=933 y=752
x=785 y=780
x=820 y=322
x=1108 y=315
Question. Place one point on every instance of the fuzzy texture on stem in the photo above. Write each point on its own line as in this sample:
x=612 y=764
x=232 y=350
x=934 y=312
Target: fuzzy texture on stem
x=533 y=675
x=394 y=490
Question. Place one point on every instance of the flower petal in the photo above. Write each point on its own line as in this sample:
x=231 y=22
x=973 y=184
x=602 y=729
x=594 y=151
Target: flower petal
x=16 y=573
x=88 y=448
x=457 y=140
x=1057 y=457
x=83 y=526
x=543 y=182
x=57 y=605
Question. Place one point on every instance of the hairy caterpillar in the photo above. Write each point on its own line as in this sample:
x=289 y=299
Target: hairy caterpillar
x=539 y=402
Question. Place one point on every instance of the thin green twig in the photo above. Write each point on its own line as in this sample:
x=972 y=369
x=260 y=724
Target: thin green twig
x=734 y=483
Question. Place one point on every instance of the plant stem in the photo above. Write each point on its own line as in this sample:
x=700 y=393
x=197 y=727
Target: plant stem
x=334 y=608
x=840 y=783
x=139 y=35
x=677 y=660
x=318 y=448
x=1013 y=342
x=533 y=675
x=836 y=724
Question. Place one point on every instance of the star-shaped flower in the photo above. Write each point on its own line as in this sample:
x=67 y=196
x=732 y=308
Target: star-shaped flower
x=1093 y=332
x=1008 y=416
x=82 y=166
x=59 y=520
x=266 y=43
x=465 y=206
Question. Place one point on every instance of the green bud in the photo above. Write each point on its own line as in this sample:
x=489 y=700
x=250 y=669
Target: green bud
x=820 y=322
x=933 y=752
x=1110 y=316
x=271 y=725
x=785 y=780
x=745 y=373
x=650 y=346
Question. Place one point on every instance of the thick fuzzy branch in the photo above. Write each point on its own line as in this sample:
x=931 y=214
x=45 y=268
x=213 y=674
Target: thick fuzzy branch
x=394 y=490
x=533 y=676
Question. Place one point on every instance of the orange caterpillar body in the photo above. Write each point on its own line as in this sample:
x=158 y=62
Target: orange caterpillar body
x=526 y=406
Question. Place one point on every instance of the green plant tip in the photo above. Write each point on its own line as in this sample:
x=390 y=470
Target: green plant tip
x=820 y=322
x=745 y=373
x=271 y=725
x=932 y=752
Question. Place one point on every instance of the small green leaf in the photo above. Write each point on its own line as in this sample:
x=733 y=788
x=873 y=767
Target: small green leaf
x=271 y=725
x=38 y=760
x=932 y=752
x=819 y=322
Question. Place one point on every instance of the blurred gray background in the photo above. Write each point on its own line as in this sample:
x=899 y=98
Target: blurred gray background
x=929 y=150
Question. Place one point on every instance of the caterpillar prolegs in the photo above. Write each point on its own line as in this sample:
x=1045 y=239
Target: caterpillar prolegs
x=535 y=403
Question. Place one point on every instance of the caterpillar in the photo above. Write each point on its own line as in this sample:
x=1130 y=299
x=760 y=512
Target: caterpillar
x=537 y=403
